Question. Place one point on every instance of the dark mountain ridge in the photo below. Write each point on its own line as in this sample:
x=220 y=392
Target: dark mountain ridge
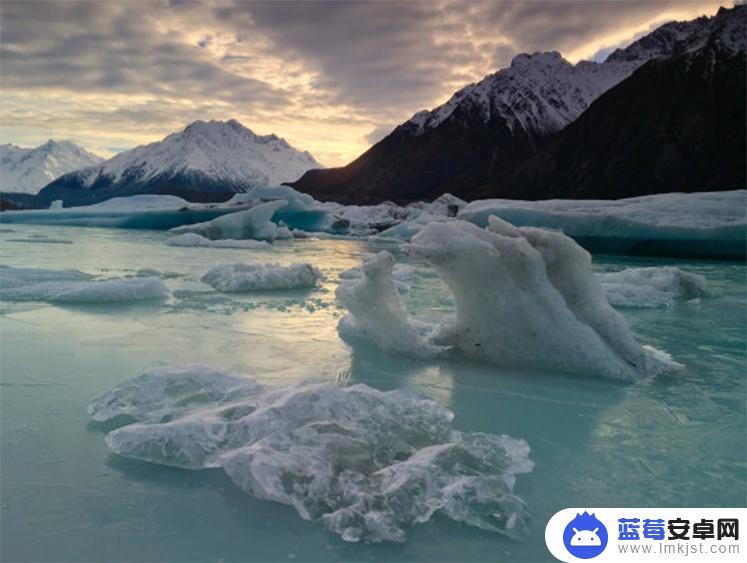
x=664 y=114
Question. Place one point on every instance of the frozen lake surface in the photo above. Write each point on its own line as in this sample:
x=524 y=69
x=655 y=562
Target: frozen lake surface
x=671 y=440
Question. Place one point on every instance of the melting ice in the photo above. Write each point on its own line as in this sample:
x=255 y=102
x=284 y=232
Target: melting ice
x=367 y=464
x=524 y=297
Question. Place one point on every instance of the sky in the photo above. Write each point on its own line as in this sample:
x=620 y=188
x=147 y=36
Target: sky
x=331 y=77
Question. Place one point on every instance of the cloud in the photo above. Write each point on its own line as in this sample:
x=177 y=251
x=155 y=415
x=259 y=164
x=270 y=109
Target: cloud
x=107 y=48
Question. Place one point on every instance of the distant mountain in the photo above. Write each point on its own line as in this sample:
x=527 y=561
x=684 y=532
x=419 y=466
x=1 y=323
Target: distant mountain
x=471 y=144
x=207 y=161
x=28 y=170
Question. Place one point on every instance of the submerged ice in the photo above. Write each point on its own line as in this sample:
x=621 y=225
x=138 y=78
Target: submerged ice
x=256 y=277
x=195 y=240
x=524 y=297
x=652 y=286
x=367 y=464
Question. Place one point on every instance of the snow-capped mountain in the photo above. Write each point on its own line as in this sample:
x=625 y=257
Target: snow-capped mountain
x=27 y=170
x=480 y=134
x=541 y=93
x=538 y=94
x=208 y=160
x=677 y=124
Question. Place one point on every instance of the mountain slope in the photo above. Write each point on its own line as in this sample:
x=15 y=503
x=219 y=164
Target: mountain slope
x=675 y=125
x=485 y=129
x=27 y=170
x=207 y=161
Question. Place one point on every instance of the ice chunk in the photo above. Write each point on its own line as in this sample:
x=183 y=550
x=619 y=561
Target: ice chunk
x=708 y=224
x=367 y=464
x=193 y=239
x=524 y=297
x=254 y=277
x=302 y=211
x=254 y=223
x=377 y=313
x=652 y=287
x=72 y=286
x=407 y=229
x=162 y=393
x=442 y=209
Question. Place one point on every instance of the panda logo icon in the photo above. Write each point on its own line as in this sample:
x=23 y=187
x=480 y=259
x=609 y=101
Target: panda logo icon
x=585 y=536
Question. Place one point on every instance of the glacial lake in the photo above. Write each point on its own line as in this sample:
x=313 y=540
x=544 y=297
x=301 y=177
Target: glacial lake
x=672 y=440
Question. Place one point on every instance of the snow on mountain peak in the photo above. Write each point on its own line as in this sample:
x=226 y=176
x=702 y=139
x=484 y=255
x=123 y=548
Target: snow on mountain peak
x=27 y=170
x=221 y=150
x=541 y=93
x=726 y=29
x=538 y=93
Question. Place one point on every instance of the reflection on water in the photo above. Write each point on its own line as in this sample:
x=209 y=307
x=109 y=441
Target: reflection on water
x=670 y=441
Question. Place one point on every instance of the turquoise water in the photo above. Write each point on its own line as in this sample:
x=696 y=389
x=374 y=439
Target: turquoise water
x=673 y=440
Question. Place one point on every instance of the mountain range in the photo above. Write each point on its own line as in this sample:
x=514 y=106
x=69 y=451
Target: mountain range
x=667 y=113
x=207 y=161
x=28 y=170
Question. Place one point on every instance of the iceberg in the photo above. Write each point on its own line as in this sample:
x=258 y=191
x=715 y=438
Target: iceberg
x=524 y=298
x=135 y=212
x=257 y=277
x=72 y=286
x=195 y=240
x=302 y=211
x=254 y=223
x=704 y=224
x=366 y=464
x=652 y=287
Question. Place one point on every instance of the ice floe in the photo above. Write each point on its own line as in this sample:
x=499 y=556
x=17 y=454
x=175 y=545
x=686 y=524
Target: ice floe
x=257 y=277
x=366 y=464
x=195 y=240
x=255 y=223
x=652 y=287
x=134 y=212
x=524 y=297
x=73 y=286
x=708 y=224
